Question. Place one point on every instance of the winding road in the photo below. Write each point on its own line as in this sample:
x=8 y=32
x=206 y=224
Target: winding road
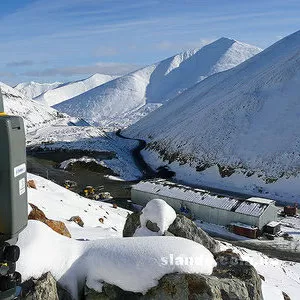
x=149 y=173
x=146 y=170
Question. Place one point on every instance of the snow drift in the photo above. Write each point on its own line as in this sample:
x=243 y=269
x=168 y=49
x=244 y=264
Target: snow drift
x=247 y=117
x=72 y=89
x=155 y=84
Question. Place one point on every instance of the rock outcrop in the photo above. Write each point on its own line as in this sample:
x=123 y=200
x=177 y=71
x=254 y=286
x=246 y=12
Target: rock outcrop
x=186 y=228
x=238 y=281
x=77 y=220
x=132 y=224
x=181 y=227
x=43 y=288
x=58 y=226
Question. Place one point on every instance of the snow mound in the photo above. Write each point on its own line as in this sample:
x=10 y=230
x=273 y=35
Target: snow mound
x=33 y=113
x=65 y=164
x=246 y=117
x=159 y=212
x=72 y=89
x=155 y=84
x=33 y=89
x=133 y=264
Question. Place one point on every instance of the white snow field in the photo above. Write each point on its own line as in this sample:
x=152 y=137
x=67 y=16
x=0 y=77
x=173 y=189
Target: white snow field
x=72 y=89
x=33 y=89
x=143 y=90
x=33 y=113
x=246 y=118
x=134 y=264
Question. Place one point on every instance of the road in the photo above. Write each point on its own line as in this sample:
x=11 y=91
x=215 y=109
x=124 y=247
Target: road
x=141 y=164
x=148 y=172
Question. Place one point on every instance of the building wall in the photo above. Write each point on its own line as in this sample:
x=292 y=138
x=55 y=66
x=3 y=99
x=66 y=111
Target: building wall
x=270 y=214
x=206 y=213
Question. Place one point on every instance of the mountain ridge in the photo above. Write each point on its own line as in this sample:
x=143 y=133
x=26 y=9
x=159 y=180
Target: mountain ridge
x=156 y=83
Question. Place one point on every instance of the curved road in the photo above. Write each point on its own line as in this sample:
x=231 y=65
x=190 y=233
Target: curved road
x=149 y=173
x=146 y=170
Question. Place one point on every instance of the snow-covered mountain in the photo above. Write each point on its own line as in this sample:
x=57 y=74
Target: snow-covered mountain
x=156 y=83
x=72 y=89
x=246 y=118
x=34 y=89
x=16 y=103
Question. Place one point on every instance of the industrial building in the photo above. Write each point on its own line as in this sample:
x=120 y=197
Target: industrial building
x=205 y=206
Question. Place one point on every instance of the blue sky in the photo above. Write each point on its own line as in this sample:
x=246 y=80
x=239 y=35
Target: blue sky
x=63 y=40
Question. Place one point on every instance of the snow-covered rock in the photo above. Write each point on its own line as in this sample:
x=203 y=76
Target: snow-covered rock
x=133 y=264
x=125 y=99
x=33 y=113
x=158 y=212
x=34 y=89
x=72 y=89
x=246 y=118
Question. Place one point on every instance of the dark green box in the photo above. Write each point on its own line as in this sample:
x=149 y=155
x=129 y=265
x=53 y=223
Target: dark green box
x=13 y=177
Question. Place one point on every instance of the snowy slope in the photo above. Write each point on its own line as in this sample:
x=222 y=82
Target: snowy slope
x=246 y=118
x=131 y=263
x=156 y=83
x=15 y=103
x=33 y=89
x=72 y=89
x=134 y=264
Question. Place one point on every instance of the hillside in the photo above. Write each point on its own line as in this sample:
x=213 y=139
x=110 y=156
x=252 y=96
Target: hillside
x=155 y=84
x=15 y=103
x=72 y=89
x=34 y=89
x=247 y=118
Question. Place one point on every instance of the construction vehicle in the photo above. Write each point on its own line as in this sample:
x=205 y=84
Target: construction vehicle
x=68 y=184
x=88 y=191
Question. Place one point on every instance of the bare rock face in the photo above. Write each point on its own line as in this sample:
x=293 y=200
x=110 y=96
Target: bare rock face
x=186 y=228
x=77 y=220
x=31 y=184
x=131 y=225
x=58 y=226
x=189 y=286
x=43 y=288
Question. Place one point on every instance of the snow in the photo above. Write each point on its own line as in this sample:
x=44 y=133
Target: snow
x=33 y=113
x=130 y=97
x=134 y=264
x=72 y=89
x=33 y=89
x=279 y=274
x=58 y=137
x=270 y=292
x=159 y=212
x=58 y=203
x=246 y=118
x=65 y=164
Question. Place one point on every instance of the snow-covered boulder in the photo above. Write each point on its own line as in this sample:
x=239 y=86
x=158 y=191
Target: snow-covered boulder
x=133 y=264
x=156 y=218
x=239 y=281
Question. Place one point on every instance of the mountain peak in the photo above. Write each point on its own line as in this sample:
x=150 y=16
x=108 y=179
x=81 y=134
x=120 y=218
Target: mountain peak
x=155 y=84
